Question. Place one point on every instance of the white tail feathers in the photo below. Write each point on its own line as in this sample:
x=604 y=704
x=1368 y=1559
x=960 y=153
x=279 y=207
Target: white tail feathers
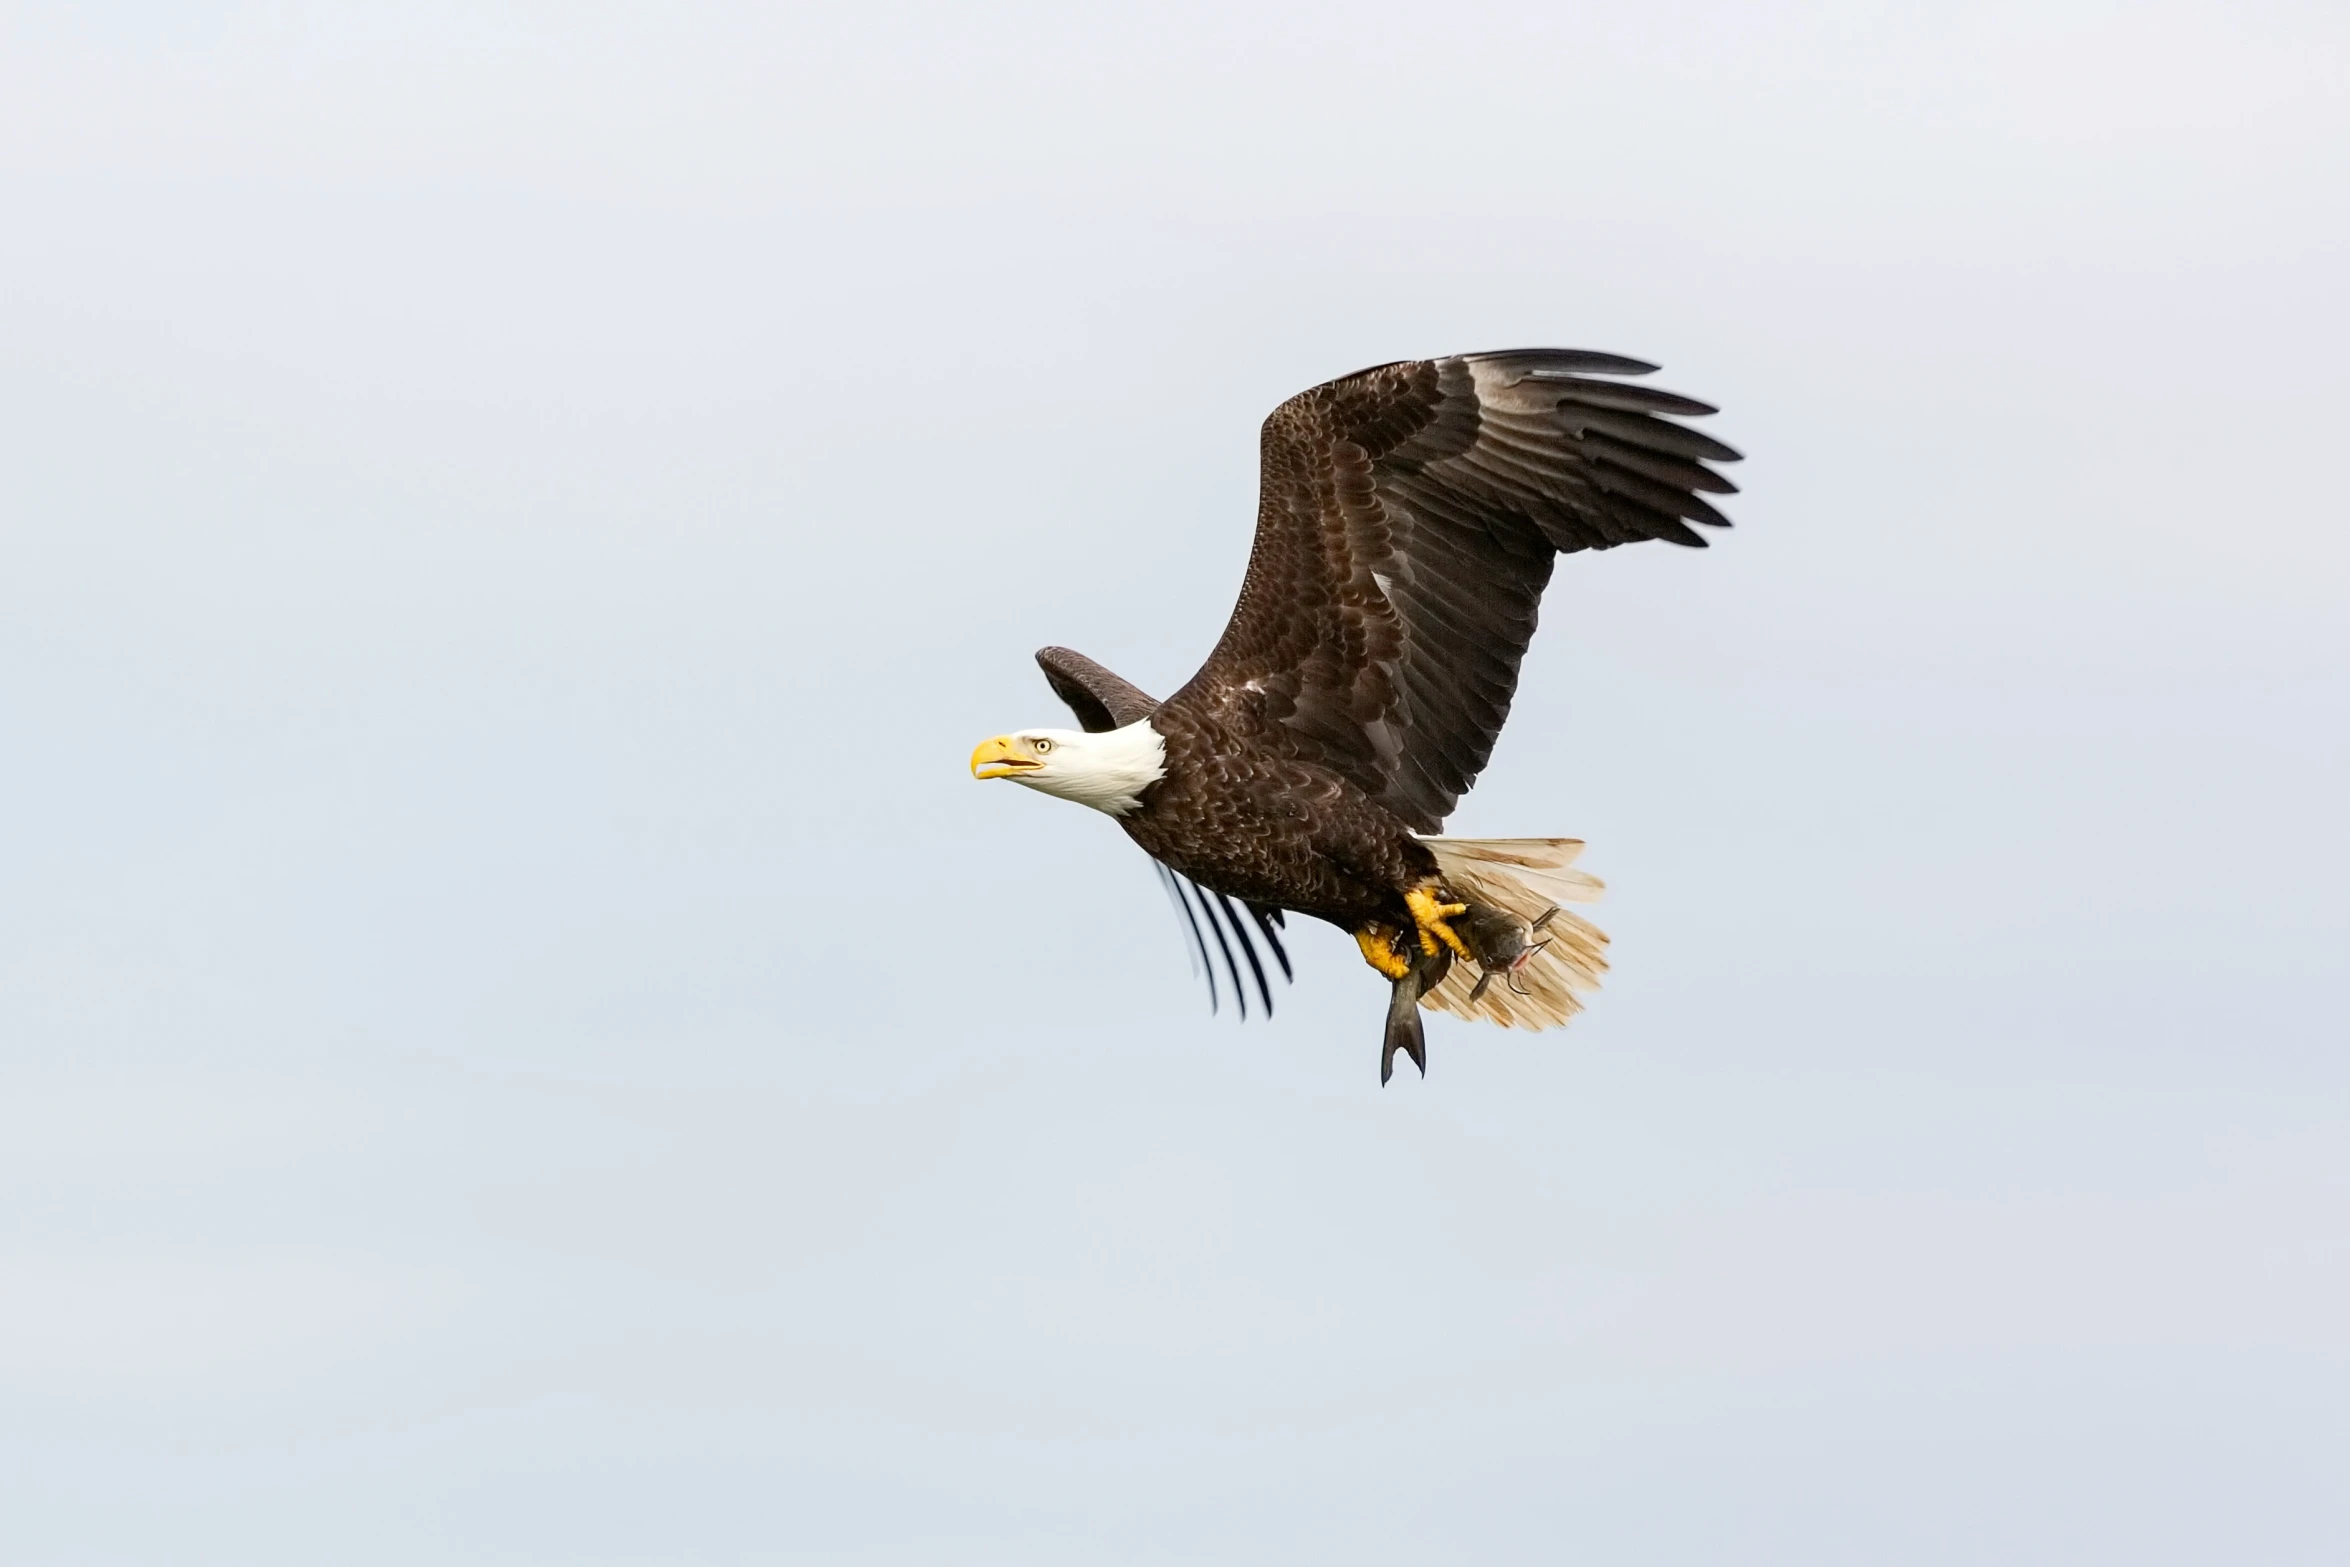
x=1526 y=878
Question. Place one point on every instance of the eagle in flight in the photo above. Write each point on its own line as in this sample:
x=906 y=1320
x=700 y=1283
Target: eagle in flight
x=1407 y=520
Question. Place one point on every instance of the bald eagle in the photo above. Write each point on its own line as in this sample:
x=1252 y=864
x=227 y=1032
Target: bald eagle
x=1407 y=520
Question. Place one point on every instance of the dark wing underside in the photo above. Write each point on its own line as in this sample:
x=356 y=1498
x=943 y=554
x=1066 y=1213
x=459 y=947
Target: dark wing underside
x=1222 y=913
x=1407 y=521
x=1102 y=701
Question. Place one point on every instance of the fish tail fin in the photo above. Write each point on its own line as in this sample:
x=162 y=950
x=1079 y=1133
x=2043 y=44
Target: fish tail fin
x=1538 y=955
x=1404 y=1032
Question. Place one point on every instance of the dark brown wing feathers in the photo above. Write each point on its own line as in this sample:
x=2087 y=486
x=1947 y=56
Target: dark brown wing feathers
x=1100 y=699
x=1407 y=521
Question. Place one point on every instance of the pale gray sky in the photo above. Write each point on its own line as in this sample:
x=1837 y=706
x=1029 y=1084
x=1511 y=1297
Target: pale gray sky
x=520 y=1042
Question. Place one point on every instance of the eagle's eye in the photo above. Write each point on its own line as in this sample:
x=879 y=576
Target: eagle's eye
x=1043 y=746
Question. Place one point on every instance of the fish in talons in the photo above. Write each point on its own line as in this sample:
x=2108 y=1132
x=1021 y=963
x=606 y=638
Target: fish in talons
x=1500 y=944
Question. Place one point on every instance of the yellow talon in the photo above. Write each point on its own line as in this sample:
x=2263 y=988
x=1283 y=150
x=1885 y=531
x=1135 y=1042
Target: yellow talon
x=1430 y=916
x=1380 y=953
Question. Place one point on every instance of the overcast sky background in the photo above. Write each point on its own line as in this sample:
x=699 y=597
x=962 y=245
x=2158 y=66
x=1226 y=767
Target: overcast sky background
x=521 y=1042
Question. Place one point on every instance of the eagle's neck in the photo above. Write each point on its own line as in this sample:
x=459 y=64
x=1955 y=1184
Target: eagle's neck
x=1108 y=771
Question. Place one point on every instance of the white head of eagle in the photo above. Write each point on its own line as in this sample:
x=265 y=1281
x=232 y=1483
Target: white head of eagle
x=1108 y=771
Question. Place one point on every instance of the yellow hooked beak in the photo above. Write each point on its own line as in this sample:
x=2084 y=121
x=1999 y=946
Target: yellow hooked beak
x=1002 y=757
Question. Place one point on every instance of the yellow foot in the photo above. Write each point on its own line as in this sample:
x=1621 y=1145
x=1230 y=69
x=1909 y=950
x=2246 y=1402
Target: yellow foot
x=1430 y=916
x=1379 y=951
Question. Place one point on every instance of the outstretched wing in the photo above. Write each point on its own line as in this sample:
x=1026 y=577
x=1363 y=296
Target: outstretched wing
x=1102 y=700
x=1407 y=520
